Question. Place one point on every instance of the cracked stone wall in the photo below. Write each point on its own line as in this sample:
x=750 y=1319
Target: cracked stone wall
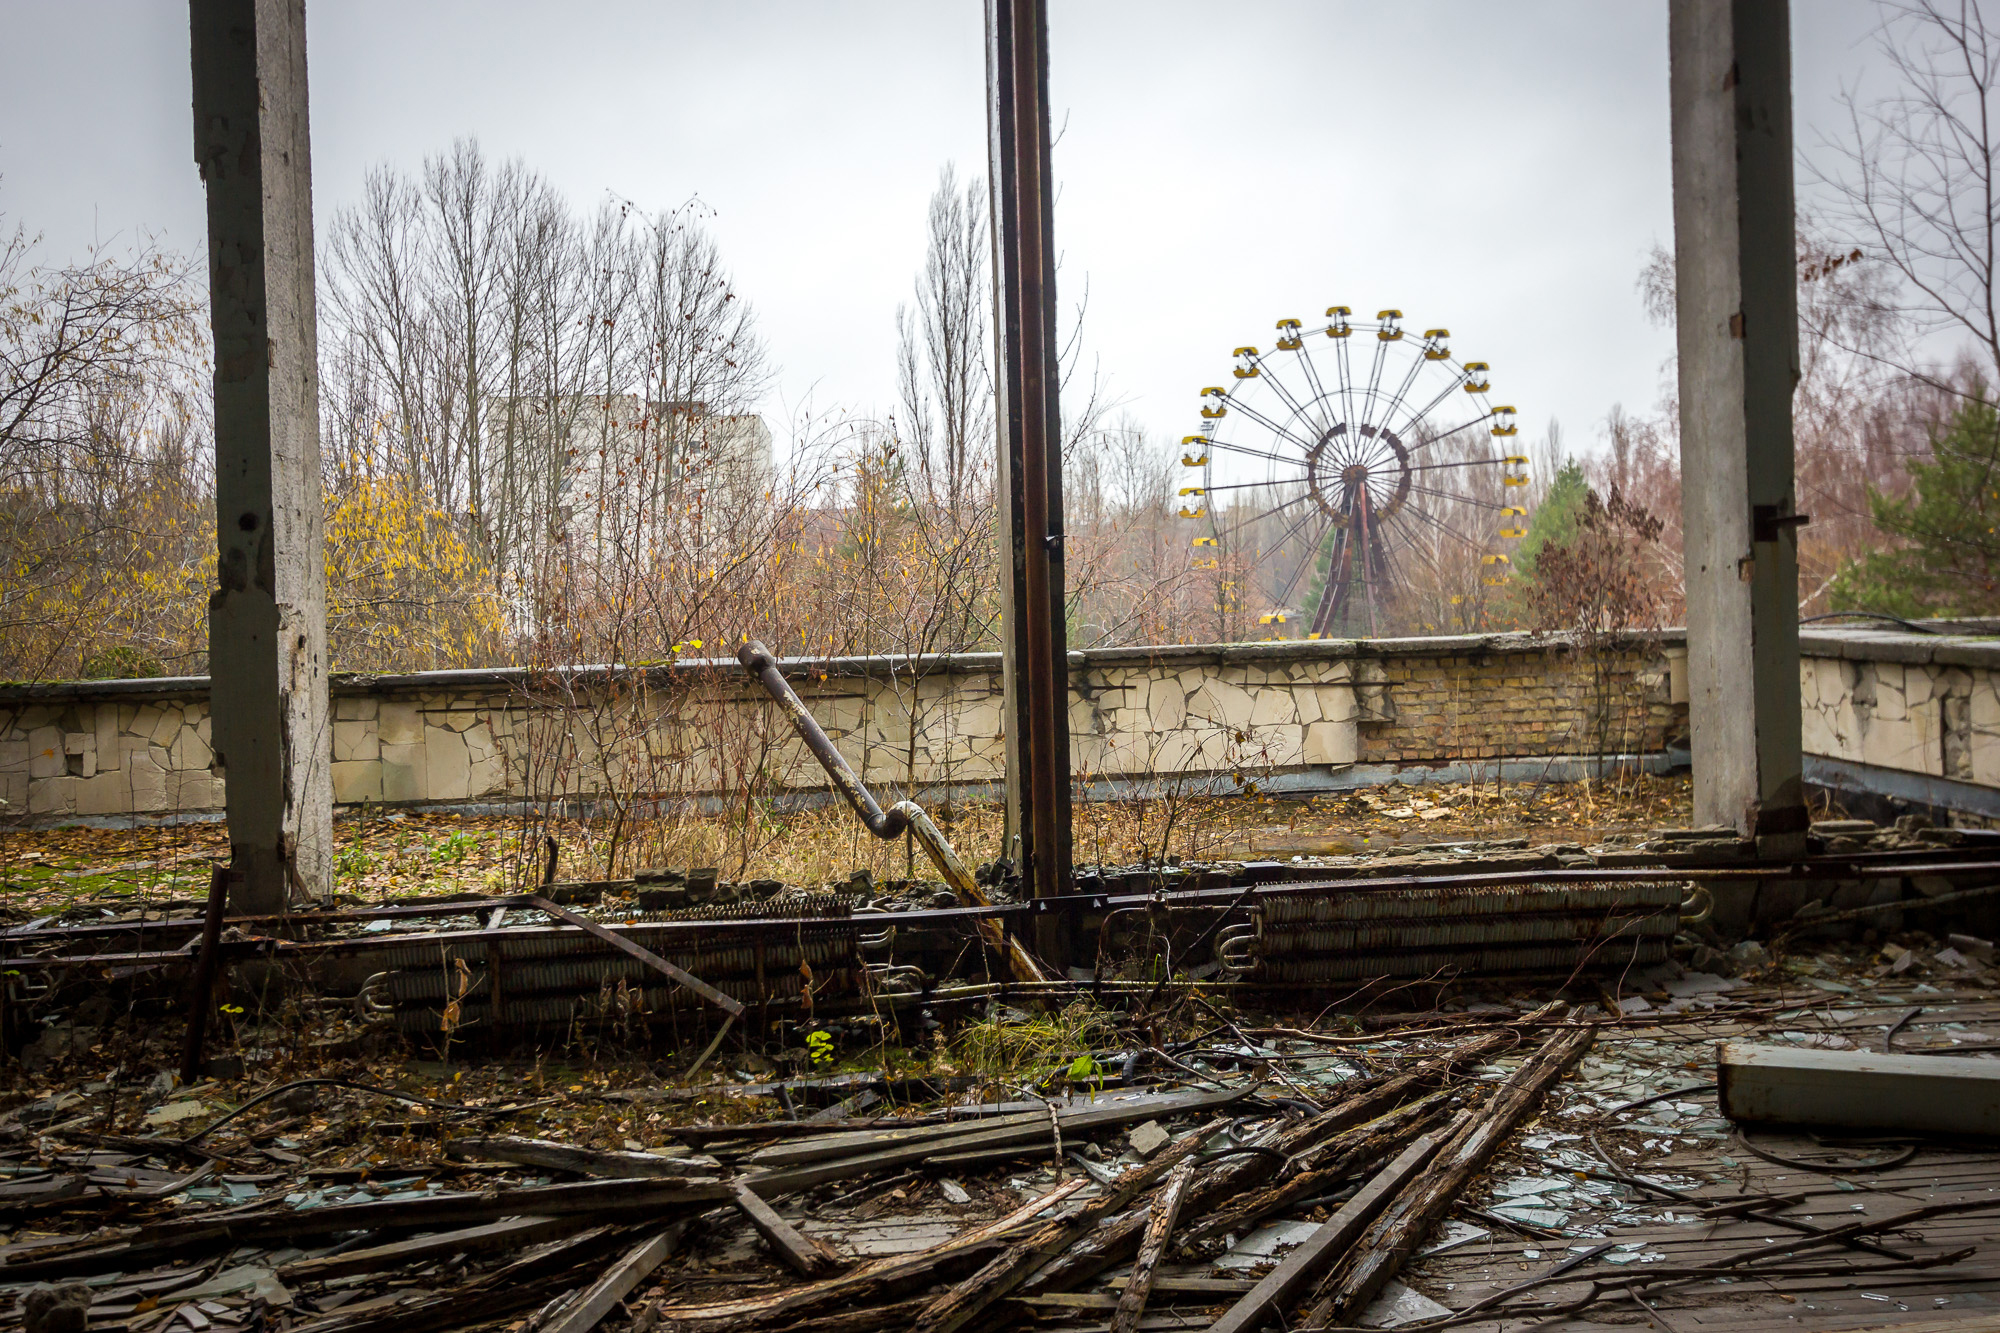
x=1233 y=713
x=1897 y=701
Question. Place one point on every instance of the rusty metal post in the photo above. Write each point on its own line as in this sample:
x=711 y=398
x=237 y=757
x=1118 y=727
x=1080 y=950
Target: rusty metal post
x=1034 y=641
x=201 y=980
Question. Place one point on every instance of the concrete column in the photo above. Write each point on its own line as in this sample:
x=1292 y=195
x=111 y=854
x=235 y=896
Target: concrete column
x=1735 y=269
x=267 y=617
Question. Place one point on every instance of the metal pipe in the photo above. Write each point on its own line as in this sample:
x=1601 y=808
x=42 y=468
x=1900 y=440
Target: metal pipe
x=903 y=817
x=884 y=824
x=201 y=987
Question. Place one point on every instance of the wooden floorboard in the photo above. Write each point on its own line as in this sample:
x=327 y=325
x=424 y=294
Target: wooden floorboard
x=1963 y=1297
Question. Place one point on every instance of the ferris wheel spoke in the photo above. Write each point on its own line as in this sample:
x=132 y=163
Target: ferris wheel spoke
x=1312 y=558
x=1425 y=444
x=1254 y=453
x=1298 y=409
x=1463 y=462
x=1318 y=390
x=1246 y=485
x=1430 y=407
x=1443 y=527
x=1401 y=533
x=1402 y=392
x=1346 y=382
x=1365 y=450
x=1374 y=382
x=1455 y=498
x=1276 y=509
x=1270 y=425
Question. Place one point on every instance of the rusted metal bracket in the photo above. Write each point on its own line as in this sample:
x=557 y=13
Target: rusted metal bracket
x=903 y=817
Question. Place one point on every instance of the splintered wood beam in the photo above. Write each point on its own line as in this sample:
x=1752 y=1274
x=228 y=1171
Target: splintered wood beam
x=582 y=1161
x=905 y=1152
x=799 y=1252
x=596 y=1199
x=862 y=1290
x=1324 y=1247
x=970 y=1299
x=1152 y=1247
x=618 y=1282
x=515 y=1231
x=1387 y=1245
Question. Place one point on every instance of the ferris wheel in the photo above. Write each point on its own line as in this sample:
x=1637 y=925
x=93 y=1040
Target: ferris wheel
x=1353 y=480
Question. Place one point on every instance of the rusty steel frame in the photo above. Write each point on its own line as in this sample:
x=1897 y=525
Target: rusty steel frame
x=1027 y=377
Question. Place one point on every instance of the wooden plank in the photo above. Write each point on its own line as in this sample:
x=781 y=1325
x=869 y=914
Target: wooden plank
x=773 y=1184
x=1152 y=1247
x=1094 y=1115
x=845 y=1108
x=1382 y=1251
x=493 y=1236
x=824 y=1147
x=799 y=1254
x=1289 y=1280
x=970 y=1299
x=592 y=1197
x=582 y=1161
x=1858 y=1089
x=617 y=1283
x=865 y=1285
x=46 y=1189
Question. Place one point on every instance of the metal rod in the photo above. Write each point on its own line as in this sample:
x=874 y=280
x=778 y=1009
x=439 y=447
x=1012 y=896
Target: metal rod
x=759 y=662
x=728 y=1004
x=1033 y=639
x=201 y=987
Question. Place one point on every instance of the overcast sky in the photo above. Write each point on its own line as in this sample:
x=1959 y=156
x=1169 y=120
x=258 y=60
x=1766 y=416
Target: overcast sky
x=1499 y=169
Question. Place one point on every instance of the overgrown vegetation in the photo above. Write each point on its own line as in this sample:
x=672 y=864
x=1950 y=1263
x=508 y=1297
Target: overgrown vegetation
x=1947 y=561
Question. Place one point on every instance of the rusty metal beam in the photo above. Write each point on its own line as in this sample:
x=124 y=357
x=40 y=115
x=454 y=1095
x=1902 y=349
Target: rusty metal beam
x=1033 y=639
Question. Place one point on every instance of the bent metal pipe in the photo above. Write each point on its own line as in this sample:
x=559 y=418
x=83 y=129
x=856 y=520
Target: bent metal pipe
x=903 y=817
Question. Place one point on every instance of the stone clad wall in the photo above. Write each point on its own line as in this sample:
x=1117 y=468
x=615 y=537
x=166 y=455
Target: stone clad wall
x=1298 y=715
x=108 y=756
x=1920 y=704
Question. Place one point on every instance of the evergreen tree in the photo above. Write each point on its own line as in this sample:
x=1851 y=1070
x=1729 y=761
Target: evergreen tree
x=1556 y=518
x=1949 y=562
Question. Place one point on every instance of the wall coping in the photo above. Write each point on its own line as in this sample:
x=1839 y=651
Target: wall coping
x=1964 y=650
x=350 y=684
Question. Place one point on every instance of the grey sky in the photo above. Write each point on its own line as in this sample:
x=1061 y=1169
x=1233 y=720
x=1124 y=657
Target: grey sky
x=1499 y=169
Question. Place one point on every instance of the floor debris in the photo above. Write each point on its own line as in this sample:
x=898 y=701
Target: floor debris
x=878 y=1141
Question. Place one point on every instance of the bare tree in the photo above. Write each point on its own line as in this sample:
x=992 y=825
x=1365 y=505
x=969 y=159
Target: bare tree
x=103 y=451
x=1918 y=177
x=943 y=367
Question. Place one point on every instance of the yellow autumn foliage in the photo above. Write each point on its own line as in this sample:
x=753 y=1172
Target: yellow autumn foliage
x=406 y=590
